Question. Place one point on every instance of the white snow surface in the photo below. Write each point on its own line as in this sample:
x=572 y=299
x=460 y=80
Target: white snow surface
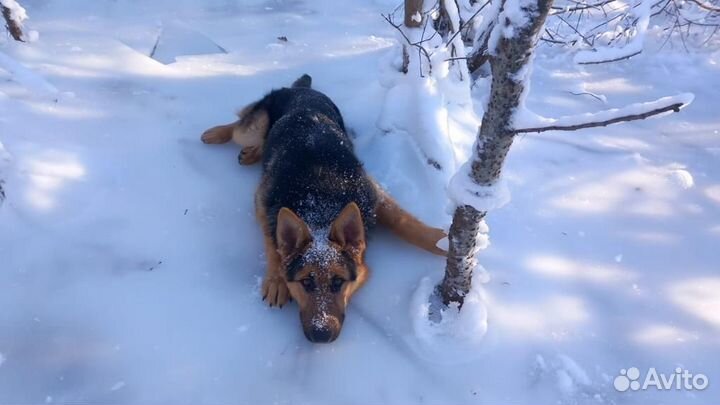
x=130 y=258
x=25 y=77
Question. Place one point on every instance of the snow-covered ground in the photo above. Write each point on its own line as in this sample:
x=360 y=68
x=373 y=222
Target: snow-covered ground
x=130 y=258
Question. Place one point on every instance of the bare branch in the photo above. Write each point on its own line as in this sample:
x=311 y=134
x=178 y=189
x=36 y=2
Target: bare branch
x=675 y=107
x=418 y=45
x=611 y=60
x=465 y=23
x=587 y=41
x=706 y=6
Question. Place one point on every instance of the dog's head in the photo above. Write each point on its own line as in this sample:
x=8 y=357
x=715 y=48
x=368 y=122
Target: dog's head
x=323 y=269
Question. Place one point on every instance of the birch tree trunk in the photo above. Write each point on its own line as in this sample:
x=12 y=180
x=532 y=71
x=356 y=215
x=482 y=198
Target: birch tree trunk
x=495 y=136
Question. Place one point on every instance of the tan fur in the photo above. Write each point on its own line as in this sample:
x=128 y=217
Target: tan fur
x=347 y=230
x=406 y=226
x=303 y=300
x=248 y=131
x=324 y=304
x=292 y=235
x=219 y=134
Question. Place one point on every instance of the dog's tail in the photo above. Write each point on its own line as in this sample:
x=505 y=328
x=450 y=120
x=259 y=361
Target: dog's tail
x=304 y=81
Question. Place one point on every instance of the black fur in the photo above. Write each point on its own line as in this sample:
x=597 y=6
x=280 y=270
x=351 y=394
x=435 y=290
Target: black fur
x=309 y=164
x=304 y=81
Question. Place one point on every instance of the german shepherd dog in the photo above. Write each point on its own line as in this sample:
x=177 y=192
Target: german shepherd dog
x=315 y=204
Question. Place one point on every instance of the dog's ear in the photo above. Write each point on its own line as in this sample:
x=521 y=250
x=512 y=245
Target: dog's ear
x=292 y=233
x=348 y=230
x=303 y=81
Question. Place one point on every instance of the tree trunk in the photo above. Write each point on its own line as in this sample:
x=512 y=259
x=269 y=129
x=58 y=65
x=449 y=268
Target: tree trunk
x=12 y=26
x=413 y=13
x=493 y=143
x=413 y=19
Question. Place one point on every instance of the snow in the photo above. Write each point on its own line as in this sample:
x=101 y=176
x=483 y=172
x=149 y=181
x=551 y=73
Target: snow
x=104 y=185
x=513 y=16
x=118 y=385
x=464 y=191
x=178 y=39
x=17 y=12
x=633 y=47
x=25 y=76
x=682 y=177
x=455 y=338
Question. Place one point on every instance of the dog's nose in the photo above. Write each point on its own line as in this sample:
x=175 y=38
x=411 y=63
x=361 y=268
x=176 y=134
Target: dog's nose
x=321 y=335
x=323 y=330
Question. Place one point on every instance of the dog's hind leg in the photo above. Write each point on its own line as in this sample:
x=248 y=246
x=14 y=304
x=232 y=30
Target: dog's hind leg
x=250 y=155
x=248 y=131
x=405 y=225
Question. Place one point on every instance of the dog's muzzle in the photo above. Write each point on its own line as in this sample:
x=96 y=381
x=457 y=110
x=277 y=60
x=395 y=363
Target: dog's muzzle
x=326 y=332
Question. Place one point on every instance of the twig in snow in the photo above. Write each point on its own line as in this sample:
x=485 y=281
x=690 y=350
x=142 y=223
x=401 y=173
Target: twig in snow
x=587 y=93
x=153 y=267
x=157 y=42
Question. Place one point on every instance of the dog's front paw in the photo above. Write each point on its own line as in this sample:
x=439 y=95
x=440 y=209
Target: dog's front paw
x=249 y=155
x=275 y=291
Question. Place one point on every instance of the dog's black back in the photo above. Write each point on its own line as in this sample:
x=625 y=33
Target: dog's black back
x=309 y=165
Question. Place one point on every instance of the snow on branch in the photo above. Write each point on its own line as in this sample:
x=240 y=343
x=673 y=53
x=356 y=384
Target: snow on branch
x=632 y=112
x=14 y=15
x=634 y=47
x=579 y=7
x=706 y=6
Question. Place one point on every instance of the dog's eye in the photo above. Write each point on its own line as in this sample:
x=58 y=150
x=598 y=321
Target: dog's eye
x=337 y=283
x=308 y=284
